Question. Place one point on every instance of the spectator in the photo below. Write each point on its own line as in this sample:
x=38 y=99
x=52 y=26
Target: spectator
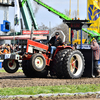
x=15 y=48
x=75 y=46
x=95 y=48
x=11 y=47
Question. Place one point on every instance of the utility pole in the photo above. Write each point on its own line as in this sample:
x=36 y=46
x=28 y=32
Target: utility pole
x=77 y=16
x=77 y=8
x=49 y=30
x=70 y=16
x=32 y=30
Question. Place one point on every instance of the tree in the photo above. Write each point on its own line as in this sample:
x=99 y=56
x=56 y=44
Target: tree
x=66 y=12
x=43 y=27
x=63 y=27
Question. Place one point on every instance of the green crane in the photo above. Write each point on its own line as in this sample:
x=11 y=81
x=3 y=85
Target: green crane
x=61 y=15
x=26 y=11
x=27 y=14
x=64 y=17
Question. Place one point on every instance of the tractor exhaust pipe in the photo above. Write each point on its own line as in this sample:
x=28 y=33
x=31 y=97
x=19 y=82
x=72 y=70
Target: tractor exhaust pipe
x=31 y=35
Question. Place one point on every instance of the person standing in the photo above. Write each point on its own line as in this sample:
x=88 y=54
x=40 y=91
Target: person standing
x=95 y=48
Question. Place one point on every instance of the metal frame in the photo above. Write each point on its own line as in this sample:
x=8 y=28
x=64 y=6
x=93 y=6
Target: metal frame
x=64 y=37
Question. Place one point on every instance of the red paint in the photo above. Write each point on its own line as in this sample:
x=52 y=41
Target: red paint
x=37 y=62
x=36 y=44
x=47 y=59
x=21 y=37
x=61 y=48
x=38 y=32
x=73 y=64
x=10 y=64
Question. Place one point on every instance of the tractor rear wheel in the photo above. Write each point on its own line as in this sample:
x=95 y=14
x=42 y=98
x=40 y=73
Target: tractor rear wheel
x=73 y=64
x=10 y=66
x=58 y=62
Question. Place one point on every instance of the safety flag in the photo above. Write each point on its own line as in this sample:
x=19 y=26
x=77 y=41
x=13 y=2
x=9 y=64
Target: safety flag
x=93 y=14
x=17 y=14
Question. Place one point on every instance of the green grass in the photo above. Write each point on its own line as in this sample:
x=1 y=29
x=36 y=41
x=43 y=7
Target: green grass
x=3 y=71
x=49 y=89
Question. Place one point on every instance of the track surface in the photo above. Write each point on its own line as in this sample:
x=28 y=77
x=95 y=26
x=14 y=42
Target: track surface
x=19 y=80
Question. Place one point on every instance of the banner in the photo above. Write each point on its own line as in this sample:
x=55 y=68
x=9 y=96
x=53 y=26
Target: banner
x=37 y=32
x=93 y=14
x=17 y=15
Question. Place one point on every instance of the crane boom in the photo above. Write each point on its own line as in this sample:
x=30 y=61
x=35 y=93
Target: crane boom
x=61 y=15
x=64 y=17
x=23 y=2
x=27 y=14
x=32 y=14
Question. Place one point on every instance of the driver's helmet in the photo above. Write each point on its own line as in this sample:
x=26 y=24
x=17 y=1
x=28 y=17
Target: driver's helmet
x=93 y=39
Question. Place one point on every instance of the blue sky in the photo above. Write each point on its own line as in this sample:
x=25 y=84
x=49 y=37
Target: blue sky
x=46 y=17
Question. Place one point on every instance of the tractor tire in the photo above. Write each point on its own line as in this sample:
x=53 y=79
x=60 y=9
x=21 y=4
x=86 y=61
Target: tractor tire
x=27 y=69
x=73 y=64
x=58 y=62
x=30 y=73
x=10 y=66
x=42 y=74
x=37 y=62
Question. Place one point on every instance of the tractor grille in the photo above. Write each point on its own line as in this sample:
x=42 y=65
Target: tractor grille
x=22 y=45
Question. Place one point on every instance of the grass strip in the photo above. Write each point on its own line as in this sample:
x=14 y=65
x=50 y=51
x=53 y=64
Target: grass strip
x=3 y=71
x=50 y=89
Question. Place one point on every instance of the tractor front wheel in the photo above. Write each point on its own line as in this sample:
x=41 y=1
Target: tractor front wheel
x=38 y=62
x=10 y=66
x=35 y=67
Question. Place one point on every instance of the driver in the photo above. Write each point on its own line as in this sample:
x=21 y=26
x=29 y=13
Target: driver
x=54 y=42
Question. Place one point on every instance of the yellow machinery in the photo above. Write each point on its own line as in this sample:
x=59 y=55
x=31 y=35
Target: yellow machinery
x=78 y=41
x=93 y=14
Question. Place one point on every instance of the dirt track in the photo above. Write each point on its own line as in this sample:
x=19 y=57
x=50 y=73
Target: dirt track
x=19 y=80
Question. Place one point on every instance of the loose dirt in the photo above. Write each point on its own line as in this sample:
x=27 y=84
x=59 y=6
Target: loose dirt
x=19 y=80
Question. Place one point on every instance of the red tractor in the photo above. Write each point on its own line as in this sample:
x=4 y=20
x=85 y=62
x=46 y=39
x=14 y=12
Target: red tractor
x=36 y=62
